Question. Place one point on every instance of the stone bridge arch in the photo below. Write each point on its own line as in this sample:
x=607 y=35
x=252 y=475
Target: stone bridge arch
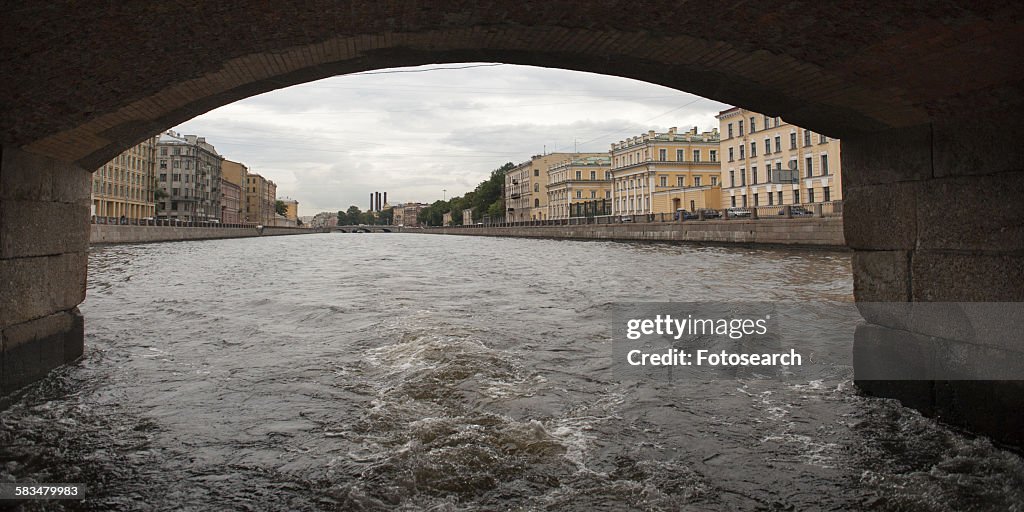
x=926 y=97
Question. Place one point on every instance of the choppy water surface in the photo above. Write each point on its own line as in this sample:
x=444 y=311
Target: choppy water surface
x=404 y=371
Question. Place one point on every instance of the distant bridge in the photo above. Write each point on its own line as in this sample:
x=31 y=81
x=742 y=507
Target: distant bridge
x=364 y=229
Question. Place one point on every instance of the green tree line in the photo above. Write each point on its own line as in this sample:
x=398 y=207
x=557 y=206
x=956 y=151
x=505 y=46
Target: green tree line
x=354 y=216
x=485 y=199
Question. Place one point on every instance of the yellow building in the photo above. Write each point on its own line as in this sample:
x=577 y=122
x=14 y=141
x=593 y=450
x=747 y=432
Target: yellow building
x=125 y=186
x=260 y=196
x=662 y=172
x=291 y=207
x=526 y=195
x=579 y=186
x=769 y=162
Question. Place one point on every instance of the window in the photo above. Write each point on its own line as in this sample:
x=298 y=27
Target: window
x=593 y=175
x=742 y=151
x=732 y=179
x=777 y=120
x=163 y=151
x=753 y=127
x=714 y=155
x=824 y=164
x=807 y=137
x=579 y=175
x=579 y=194
x=714 y=180
x=768 y=173
x=810 y=195
x=731 y=155
x=696 y=181
x=536 y=187
x=743 y=177
x=607 y=175
x=740 y=123
x=679 y=155
x=822 y=139
x=796 y=197
x=757 y=200
x=733 y=199
x=780 y=197
x=767 y=146
x=163 y=176
x=163 y=164
x=753 y=175
x=177 y=164
x=730 y=130
x=827 y=193
x=753 y=149
x=593 y=194
x=771 y=199
x=176 y=177
x=778 y=143
x=607 y=194
x=536 y=203
x=536 y=172
x=177 y=151
x=664 y=181
x=744 y=201
x=680 y=181
x=792 y=140
x=809 y=166
x=662 y=155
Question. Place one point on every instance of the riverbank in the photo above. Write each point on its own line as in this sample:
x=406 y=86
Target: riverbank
x=120 y=234
x=825 y=232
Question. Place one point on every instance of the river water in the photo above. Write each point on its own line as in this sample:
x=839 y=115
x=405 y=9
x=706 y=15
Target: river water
x=410 y=371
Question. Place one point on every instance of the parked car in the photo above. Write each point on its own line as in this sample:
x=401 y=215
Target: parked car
x=796 y=211
x=710 y=214
x=685 y=215
x=627 y=218
x=736 y=212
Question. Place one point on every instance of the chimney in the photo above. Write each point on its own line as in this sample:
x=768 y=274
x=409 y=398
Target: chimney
x=371 y=201
x=694 y=130
x=385 y=199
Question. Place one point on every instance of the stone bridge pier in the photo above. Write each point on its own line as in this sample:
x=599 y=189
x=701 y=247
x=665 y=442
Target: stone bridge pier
x=927 y=99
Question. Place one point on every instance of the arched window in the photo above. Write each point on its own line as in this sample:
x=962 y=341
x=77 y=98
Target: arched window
x=536 y=203
x=536 y=187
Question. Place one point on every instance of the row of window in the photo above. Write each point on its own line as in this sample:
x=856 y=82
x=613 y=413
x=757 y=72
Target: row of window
x=768 y=145
x=754 y=177
x=662 y=182
x=634 y=158
x=775 y=198
x=579 y=194
x=753 y=124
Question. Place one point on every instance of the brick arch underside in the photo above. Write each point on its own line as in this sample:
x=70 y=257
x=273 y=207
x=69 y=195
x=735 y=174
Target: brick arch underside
x=804 y=93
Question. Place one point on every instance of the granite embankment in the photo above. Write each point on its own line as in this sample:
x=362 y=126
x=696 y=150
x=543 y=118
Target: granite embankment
x=121 y=234
x=815 y=231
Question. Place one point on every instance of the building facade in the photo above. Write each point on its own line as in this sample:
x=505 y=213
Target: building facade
x=291 y=209
x=579 y=187
x=652 y=173
x=526 y=196
x=124 y=188
x=405 y=214
x=260 y=197
x=189 y=172
x=231 y=210
x=770 y=162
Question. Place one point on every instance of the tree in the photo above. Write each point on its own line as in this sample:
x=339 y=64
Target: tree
x=386 y=217
x=353 y=215
x=280 y=207
x=342 y=218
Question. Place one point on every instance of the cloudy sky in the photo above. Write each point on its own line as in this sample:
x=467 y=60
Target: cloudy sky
x=418 y=132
